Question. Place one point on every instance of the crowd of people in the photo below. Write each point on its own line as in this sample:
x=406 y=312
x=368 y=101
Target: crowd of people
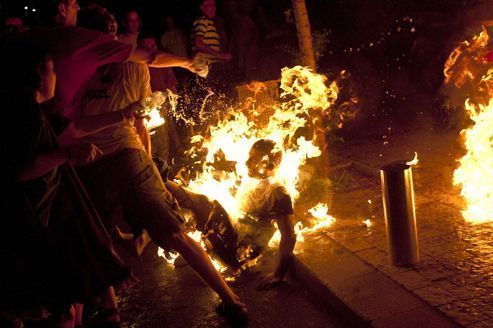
x=78 y=159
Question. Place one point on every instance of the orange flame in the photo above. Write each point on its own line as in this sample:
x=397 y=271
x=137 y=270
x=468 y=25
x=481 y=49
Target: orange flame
x=466 y=63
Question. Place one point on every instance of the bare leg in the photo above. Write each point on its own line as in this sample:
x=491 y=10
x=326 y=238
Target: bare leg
x=79 y=308
x=110 y=303
x=64 y=322
x=201 y=263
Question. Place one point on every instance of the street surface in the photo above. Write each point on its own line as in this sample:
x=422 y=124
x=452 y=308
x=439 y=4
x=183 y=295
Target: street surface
x=176 y=297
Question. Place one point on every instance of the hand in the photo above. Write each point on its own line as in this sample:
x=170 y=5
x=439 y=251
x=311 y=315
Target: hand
x=188 y=64
x=84 y=153
x=130 y=113
x=269 y=281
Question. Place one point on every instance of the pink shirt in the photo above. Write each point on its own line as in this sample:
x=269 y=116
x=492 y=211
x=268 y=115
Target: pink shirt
x=77 y=53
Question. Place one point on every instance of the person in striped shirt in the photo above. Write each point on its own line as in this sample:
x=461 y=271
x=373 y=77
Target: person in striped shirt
x=205 y=39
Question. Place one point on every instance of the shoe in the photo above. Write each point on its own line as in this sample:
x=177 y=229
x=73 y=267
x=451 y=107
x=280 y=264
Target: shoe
x=234 y=313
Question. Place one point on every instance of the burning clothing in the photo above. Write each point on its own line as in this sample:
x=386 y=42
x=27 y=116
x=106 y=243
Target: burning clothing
x=263 y=204
x=268 y=199
x=57 y=251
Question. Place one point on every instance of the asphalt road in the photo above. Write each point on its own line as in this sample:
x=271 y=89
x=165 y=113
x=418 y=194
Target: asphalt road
x=167 y=296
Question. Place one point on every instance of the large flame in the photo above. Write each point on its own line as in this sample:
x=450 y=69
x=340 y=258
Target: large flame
x=462 y=64
x=217 y=166
x=468 y=63
x=475 y=173
x=224 y=175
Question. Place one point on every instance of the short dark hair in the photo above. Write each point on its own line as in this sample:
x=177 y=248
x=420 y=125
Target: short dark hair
x=146 y=34
x=94 y=18
x=49 y=11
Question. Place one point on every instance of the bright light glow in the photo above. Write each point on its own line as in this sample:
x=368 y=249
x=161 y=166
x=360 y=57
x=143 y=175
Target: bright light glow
x=368 y=223
x=466 y=68
x=222 y=152
x=414 y=161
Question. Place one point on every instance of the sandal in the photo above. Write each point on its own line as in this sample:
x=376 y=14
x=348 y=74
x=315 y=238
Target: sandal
x=101 y=319
x=234 y=313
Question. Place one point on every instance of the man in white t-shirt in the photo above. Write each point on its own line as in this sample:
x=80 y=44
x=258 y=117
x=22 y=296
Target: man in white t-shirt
x=125 y=180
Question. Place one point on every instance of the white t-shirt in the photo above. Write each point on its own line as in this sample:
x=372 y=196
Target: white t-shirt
x=113 y=88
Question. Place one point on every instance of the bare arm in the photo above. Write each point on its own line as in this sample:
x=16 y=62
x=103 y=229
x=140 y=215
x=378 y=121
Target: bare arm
x=42 y=164
x=45 y=162
x=285 y=223
x=164 y=59
x=144 y=135
x=160 y=59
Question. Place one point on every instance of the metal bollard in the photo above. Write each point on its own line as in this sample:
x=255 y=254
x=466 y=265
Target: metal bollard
x=400 y=217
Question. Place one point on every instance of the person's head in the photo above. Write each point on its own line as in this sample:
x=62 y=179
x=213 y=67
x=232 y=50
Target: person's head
x=169 y=23
x=131 y=22
x=13 y=22
x=27 y=72
x=263 y=159
x=63 y=12
x=208 y=8
x=147 y=41
x=99 y=19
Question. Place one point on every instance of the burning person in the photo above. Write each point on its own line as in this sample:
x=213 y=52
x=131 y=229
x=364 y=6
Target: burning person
x=268 y=202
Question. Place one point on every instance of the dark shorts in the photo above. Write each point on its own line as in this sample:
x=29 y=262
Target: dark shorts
x=127 y=183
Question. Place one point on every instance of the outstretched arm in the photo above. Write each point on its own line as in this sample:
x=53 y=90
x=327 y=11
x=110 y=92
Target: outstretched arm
x=160 y=59
x=47 y=161
x=285 y=224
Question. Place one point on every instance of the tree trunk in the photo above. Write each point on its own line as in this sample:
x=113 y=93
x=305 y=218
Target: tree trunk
x=304 y=33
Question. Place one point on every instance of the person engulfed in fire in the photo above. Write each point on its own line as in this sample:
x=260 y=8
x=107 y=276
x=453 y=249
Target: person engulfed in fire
x=267 y=203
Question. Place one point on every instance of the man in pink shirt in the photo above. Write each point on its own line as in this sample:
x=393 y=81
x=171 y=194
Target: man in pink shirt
x=78 y=52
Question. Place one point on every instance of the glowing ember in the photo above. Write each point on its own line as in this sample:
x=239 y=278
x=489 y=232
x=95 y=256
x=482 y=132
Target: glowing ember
x=170 y=257
x=414 y=161
x=368 y=223
x=152 y=105
x=322 y=218
x=154 y=119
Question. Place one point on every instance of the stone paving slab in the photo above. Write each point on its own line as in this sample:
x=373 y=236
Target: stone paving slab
x=455 y=274
x=362 y=294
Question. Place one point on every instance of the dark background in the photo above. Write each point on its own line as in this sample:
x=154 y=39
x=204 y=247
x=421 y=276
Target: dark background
x=394 y=49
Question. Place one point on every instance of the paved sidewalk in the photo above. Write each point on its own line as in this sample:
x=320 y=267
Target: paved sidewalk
x=455 y=274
